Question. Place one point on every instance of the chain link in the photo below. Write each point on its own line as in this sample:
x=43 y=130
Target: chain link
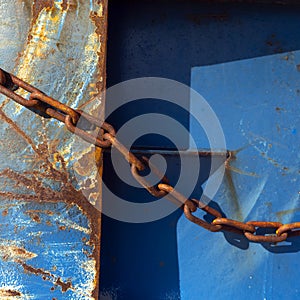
x=87 y=127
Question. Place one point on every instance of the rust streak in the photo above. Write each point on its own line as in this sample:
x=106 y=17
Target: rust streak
x=9 y=293
x=35 y=218
x=47 y=212
x=17 y=129
x=64 y=285
x=48 y=162
x=38 y=6
x=9 y=253
x=47 y=276
x=39 y=150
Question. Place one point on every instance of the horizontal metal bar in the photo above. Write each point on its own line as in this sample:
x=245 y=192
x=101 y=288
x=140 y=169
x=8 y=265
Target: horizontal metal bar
x=201 y=153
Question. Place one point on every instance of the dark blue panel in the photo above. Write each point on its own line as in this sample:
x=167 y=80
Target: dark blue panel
x=168 y=39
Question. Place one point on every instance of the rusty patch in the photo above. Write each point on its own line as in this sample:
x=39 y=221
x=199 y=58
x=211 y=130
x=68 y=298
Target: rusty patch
x=274 y=43
x=48 y=163
x=100 y=21
x=64 y=285
x=281 y=214
x=65 y=4
x=9 y=293
x=67 y=194
x=47 y=212
x=47 y=276
x=11 y=253
x=38 y=6
x=35 y=217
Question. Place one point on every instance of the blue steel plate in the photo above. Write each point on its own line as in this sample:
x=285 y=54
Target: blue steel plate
x=257 y=103
x=50 y=233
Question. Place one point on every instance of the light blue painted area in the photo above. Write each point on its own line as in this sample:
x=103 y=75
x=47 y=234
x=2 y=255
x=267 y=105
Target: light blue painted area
x=57 y=238
x=257 y=102
x=47 y=241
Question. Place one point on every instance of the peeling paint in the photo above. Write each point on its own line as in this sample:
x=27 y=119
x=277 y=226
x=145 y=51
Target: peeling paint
x=8 y=252
x=8 y=293
x=64 y=56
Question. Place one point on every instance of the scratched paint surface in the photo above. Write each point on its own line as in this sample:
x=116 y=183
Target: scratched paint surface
x=50 y=233
x=257 y=102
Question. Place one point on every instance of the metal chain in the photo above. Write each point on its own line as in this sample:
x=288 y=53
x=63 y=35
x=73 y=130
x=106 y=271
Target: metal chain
x=85 y=126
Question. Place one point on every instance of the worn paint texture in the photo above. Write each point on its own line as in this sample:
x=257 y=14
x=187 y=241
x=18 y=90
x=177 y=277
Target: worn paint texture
x=50 y=232
x=257 y=102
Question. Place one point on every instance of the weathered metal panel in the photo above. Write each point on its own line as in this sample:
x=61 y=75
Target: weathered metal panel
x=172 y=258
x=50 y=232
x=257 y=102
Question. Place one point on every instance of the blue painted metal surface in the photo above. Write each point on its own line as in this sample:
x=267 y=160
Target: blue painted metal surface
x=50 y=233
x=172 y=258
x=257 y=102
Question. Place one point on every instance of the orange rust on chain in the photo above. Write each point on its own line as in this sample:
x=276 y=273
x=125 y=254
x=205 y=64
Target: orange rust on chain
x=2 y=79
x=95 y=123
x=265 y=238
x=151 y=189
x=198 y=221
x=207 y=208
x=289 y=229
x=181 y=200
x=132 y=159
x=44 y=99
x=63 y=113
x=234 y=224
x=155 y=170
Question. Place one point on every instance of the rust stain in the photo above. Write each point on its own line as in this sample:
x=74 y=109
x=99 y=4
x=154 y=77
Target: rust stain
x=39 y=193
x=279 y=109
x=281 y=214
x=232 y=155
x=35 y=217
x=46 y=276
x=99 y=19
x=9 y=293
x=85 y=162
x=47 y=212
x=232 y=190
x=274 y=43
x=48 y=223
x=48 y=162
x=38 y=6
x=11 y=253
x=64 y=285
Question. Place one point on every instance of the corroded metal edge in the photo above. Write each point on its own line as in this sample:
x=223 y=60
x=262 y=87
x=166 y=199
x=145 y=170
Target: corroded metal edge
x=69 y=194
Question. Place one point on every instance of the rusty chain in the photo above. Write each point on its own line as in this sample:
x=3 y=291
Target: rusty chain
x=88 y=127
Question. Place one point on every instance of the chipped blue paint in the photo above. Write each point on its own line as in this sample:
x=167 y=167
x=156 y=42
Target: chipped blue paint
x=56 y=236
x=48 y=241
